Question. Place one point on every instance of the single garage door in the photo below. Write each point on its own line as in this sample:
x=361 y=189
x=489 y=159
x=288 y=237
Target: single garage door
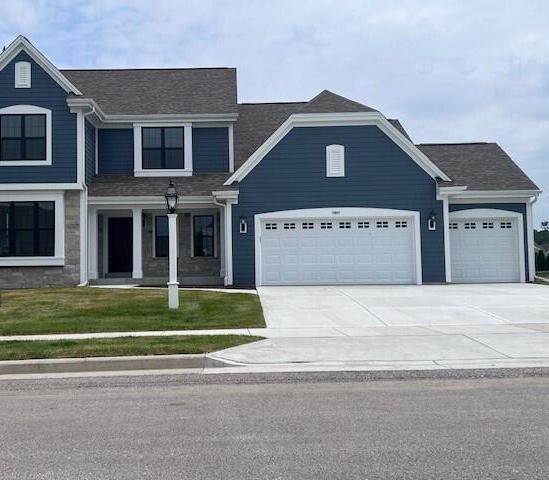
x=485 y=250
x=320 y=251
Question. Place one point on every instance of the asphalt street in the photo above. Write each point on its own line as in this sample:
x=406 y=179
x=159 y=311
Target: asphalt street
x=274 y=427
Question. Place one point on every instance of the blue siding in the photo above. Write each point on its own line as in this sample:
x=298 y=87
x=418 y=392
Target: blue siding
x=378 y=174
x=45 y=93
x=211 y=149
x=90 y=152
x=115 y=151
x=512 y=207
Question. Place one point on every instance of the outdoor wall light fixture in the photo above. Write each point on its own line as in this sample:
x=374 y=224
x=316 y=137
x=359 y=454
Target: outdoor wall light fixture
x=432 y=221
x=243 y=225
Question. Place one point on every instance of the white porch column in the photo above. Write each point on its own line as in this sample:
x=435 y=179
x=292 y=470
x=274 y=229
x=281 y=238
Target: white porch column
x=229 y=243
x=530 y=238
x=92 y=243
x=137 y=270
x=173 y=284
x=222 y=243
x=447 y=256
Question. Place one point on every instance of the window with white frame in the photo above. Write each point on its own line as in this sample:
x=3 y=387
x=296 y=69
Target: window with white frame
x=25 y=135
x=335 y=161
x=163 y=148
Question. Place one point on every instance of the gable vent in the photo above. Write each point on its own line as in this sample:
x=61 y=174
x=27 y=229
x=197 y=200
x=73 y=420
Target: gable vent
x=335 y=161
x=22 y=75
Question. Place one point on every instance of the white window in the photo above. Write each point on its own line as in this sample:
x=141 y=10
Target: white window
x=271 y=226
x=289 y=226
x=335 y=161
x=382 y=224
x=22 y=75
x=25 y=136
x=344 y=224
x=363 y=224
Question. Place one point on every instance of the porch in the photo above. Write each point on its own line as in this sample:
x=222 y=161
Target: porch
x=128 y=242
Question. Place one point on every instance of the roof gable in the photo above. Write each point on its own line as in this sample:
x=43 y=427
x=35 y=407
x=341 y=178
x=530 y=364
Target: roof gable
x=21 y=44
x=329 y=102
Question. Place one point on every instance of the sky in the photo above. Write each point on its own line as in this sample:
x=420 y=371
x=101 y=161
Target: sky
x=451 y=71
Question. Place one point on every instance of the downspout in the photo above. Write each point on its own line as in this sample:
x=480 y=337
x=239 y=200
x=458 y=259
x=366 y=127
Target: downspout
x=84 y=209
x=530 y=238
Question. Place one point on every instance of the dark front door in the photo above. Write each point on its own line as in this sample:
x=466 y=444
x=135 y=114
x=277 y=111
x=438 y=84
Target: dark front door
x=120 y=233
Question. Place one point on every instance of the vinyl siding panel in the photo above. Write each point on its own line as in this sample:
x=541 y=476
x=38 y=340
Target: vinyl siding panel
x=46 y=93
x=378 y=174
x=90 y=152
x=511 y=207
x=115 y=151
x=211 y=149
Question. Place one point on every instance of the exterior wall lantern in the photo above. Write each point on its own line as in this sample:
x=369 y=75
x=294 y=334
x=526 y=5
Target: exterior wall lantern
x=243 y=225
x=432 y=221
x=173 y=285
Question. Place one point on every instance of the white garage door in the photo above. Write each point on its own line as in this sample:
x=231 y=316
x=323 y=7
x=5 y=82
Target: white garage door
x=307 y=251
x=484 y=250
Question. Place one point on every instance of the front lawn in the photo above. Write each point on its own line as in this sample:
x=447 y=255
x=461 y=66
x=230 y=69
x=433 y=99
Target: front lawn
x=124 y=346
x=543 y=274
x=79 y=310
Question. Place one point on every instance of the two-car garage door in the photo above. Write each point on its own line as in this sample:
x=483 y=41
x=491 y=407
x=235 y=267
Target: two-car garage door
x=337 y=249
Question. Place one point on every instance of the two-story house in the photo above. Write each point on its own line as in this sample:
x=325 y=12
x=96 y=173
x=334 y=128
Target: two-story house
x=325 y=191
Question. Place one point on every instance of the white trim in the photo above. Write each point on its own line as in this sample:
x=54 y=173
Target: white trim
x=207 y=213
x=231 y=148
x=80 y=147
x=155 y=119
x=139 y=171
x=93 y=244
x=83 y=237
x=346 y=212
x=137 y=240
x=225 y=194
x=31 y=110
x=96 y=150
x=39 y=186
x=229 y=242
x=58 y=259
x=499 y=214
x=447 y=254
x=465 y=201
x=121 y=202
x=22 y=44
x=120 y=213
x=530 y=239
x=338 y=119
x=493 y=194
x=23 y=69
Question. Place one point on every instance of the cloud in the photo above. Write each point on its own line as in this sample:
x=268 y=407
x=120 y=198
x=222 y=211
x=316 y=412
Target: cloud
x=452 y=71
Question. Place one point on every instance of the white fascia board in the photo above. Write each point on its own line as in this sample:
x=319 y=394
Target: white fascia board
x=344 y=212
x=135 y=201
x=39 y=186
x=225 y=194
x=338 y=119
x=22 y=44
x=495 y=193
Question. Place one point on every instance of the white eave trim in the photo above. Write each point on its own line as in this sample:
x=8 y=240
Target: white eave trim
x=494 y=193
x=39 y=186
x=338 y=119
x=225 y=194
x=22 y=44
x=158 y=119
x=152 y=200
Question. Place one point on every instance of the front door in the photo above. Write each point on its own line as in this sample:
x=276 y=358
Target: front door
x=120 y=244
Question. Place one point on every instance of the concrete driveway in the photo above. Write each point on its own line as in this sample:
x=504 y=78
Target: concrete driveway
x=440 y=325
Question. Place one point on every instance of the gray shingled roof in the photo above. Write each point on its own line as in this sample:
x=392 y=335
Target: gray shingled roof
x=329 y=102
x=480 y=166
x=159 y=91
x=125 y=185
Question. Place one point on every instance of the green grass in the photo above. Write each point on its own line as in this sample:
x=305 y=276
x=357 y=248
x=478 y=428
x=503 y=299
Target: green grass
x=543 y=274
x=124 y=346
x=78 y=310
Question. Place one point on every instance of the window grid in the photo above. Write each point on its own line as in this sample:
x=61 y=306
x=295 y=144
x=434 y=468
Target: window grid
x=163 y=150
x=453 y=226
x=344 y=225
x=307 y=225
x=470 y=225
x=23 y=141
x=326 y=225
x=289 y=226
x=271 y=226
x=487 y=225
x=382 y=224
x=401 y=224
x=506 y=225
x=363 y=224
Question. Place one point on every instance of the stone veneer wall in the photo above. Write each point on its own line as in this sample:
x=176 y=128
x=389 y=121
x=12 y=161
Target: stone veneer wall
x=187 y=265
x=68 y=275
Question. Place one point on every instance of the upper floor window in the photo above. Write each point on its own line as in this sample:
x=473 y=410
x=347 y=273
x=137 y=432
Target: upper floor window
x=22 y=137
x=335 y=161
x=163 y=148
x=25 y=136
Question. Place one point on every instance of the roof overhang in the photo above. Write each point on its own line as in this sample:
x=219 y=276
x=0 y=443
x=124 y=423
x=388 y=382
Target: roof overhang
x=79 y=103
x=22 y=44
x=457 y=194
x=333 y=120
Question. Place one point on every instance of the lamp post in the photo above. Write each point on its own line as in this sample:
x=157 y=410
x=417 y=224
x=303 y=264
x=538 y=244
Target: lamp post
x=173 y=285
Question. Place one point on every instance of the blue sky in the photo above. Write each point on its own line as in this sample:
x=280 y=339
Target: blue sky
x=451 y=71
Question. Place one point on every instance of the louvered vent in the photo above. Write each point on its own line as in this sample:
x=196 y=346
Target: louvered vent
x=22 y=75
x=335 y=161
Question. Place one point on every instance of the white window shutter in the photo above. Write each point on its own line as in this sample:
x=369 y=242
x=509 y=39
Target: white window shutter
x=22 y=75
x=335 y=161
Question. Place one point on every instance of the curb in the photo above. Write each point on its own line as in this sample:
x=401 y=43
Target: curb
x=106 y=364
